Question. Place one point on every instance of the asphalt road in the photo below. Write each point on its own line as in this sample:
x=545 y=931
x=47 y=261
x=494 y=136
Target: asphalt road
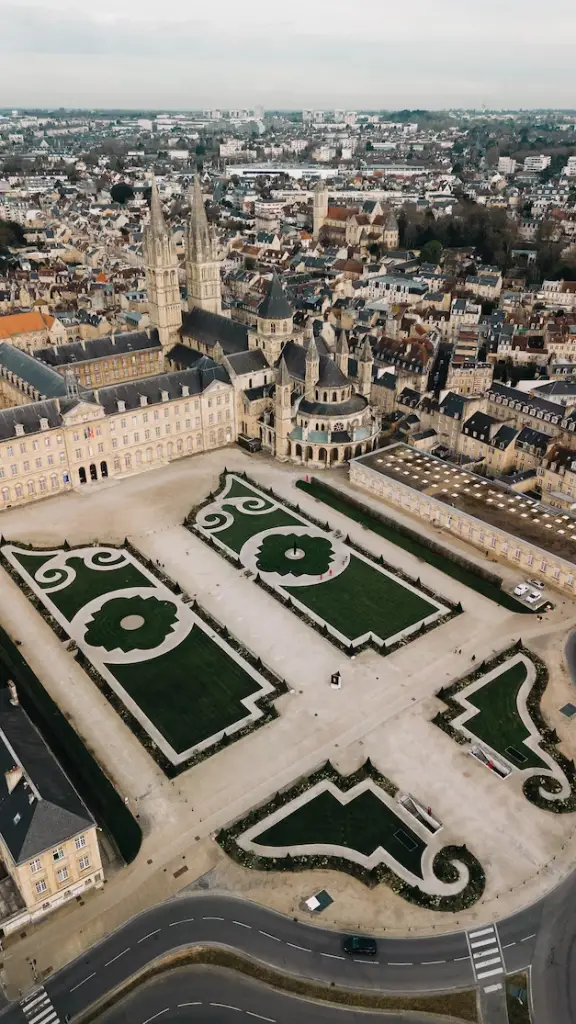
x=430 y=964
x=208 y=994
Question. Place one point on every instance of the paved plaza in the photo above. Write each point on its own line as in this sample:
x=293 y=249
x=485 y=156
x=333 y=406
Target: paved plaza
x=383 y=710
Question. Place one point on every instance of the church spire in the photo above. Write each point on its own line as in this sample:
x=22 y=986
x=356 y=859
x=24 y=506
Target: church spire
x=202 y=263
x=157 y=222
x=199 y=234
x=164 y=306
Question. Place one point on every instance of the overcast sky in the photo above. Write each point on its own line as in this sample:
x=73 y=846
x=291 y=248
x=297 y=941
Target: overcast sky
x=299 y=53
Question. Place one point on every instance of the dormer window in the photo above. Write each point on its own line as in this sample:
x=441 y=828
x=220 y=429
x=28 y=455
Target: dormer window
x=121 y=405
x=19 y=429
x=185 y=390
x=143 y=400
x=165 y=396
x=44 y=425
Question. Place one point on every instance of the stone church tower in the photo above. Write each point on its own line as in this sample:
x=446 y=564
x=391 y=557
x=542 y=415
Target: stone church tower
x=320 y=211
x=164 y=305
x=202 y=263
x=283 y=410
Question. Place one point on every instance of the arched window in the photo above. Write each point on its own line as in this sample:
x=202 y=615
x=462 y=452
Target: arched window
x=117 y=464
x=138 y=457
x=18 y=490
x=31 y=487
x=179 y=445
x=170 y=449
x=159 y=451
x=325 y=396
x=42 y=483
x=188 y=444
x=148 y=455
x=5 y=494
x=334 y=396
x=54 y=481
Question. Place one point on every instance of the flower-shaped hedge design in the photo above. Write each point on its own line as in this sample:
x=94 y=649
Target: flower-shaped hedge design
x=295 y=554
x=106 y=628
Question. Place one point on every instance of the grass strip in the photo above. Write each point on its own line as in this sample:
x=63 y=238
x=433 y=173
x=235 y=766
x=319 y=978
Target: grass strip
x=517 y=1003
x=403 y=537
x=449 y=1007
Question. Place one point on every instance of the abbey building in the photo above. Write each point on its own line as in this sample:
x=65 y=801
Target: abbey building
x=75 y=414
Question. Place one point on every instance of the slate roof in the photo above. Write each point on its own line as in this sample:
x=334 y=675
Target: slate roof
x=48 y=382
x=248 y=362
x=479 y=425
x=210 y=328
x=356 y=403
x=99 y=348
x=196 y=379
x=29 y=417
x=534 y=439
x=43 y=810
x=275 y=305
x=504 y=436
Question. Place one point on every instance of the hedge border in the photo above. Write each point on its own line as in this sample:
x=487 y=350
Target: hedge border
x=549 y=737
x=264 y=703
x=350 y=650
x=79 y=763
x=481 y=580
x=443 y=864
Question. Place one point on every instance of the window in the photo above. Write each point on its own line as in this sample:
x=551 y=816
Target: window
x=62 y=874
x=50 y=460
x=35 y=865
x=14 y=470
x=38 y=463
x=22 y=448
x=136 y=437
x=58 y=854
x=35 y=445
x=10 y=450
x=76 y=435
x=41 y=887
x=123 y=423
x=101 y=448
x=26 y=466
x=80 y=842
x=78 y=453
x=84 y=863
x=124 y=438
x=158 y=431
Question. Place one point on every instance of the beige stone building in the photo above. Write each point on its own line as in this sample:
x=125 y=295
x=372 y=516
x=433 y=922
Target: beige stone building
x=353 y=225
x=48 y=838
x=108 y=360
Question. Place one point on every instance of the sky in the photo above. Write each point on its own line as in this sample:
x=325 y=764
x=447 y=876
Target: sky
x=299 y=53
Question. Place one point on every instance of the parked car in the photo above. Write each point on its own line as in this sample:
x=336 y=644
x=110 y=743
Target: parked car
x=358 y=945
x=536 y=583
x=521 y=589
x=533 y=596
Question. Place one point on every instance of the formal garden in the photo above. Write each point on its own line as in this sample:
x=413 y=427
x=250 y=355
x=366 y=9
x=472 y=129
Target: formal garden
x=496 y=711
x=357 y=824
x=351 y=596
x=181 y=682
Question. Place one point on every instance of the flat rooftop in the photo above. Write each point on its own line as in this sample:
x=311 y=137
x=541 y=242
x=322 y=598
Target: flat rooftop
x=523 y=517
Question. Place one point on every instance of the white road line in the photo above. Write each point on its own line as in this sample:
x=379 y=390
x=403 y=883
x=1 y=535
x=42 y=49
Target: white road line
x=226 y=1006
x=493 y=988
x=180 y=1005
x=489 y=963
x=508 y=944
x=490 y=974
x=485 y=952
x=268 y=936
x=42 y=1013
x=242 y=925
x=400 y=963
x=51 y=1015
x=333 y=956
x=185 y=920
x=213 y=919
x=526 y=937
x=83 y=982
x=374 y=962
x=483 y=931
x=457 y=959
x=159 y=1014
x=117 y=957
x=144 y=937
x=428 y=962
x=303 y=948
x=27 y=1004
x=260 y=1017
x=483 y=942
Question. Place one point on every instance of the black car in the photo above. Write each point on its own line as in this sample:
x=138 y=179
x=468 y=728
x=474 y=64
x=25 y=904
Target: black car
x=358 y=945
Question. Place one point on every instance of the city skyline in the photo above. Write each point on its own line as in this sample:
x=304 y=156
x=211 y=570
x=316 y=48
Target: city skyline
x=318 y=57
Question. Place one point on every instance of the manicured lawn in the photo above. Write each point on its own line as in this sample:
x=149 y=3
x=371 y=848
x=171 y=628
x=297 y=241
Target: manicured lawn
x=412 y=543
x=245 y=526
x=364 y=824
x=498 y=721
x=190 y=693
x=278 y=552
x=362 y=599
x=88 y=584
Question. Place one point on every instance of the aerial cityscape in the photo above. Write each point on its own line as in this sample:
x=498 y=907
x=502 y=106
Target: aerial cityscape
x=287 y=515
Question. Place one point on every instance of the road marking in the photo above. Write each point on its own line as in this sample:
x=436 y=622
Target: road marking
x=489 y=974
x=242 y=925
x=457 y=959
x=144 y=937
x=213 y=919
x=400 y=963
x=180 y=1005
x=489 y=963
x=51 y=1015
x=483 y=931
x=108 y=962
x=260 y=1017
x=526 y=937
x=482 y=942
x=226 y=1006
x=493 y=988
x=83 y=982
x=268 y=936
x=185 y=920
x=303 y=948
x=38 y=1008
x=508 y=944
x=375 y=962
x=333 y=956
x=47 y=1009
x=426 y=963
x=38 y=997
x=485 y=952
x=159 y=1014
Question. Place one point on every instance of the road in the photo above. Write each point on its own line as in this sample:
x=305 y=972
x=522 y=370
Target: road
x=207 y=994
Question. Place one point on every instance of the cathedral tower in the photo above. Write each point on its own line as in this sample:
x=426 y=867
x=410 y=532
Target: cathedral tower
x=202 y=263
x=164 y=306
x=320 y=211
x=365 y=365
x=312 y=371
x=342 y=353
x=283 y=410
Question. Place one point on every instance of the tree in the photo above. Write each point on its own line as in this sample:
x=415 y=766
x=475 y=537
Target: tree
x=431 y=251
x=122 y=192
x=11 y=233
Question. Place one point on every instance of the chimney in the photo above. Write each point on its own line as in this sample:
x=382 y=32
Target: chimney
x=13 y=777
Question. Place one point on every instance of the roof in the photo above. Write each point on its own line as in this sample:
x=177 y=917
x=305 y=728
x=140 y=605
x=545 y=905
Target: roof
x=153 y=388
x=479 y=425
x=46 y=381
x=43 y=810
x=248 y=362
x=275 y=305
x=28 y=416
x=212 y=328
x=356 y=403
x=23 y=323
x=99 y=348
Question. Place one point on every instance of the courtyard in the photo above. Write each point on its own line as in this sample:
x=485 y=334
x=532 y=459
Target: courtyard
x=384 y=710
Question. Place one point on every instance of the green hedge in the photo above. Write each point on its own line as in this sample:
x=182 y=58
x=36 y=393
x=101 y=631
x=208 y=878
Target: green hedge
x=450 y=562
x=83 y=771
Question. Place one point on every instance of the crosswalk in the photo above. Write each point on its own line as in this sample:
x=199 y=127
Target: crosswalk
x=38 y=1008
x=485 y=953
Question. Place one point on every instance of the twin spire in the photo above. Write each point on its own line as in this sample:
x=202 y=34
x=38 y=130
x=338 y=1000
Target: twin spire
x=200 y=238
